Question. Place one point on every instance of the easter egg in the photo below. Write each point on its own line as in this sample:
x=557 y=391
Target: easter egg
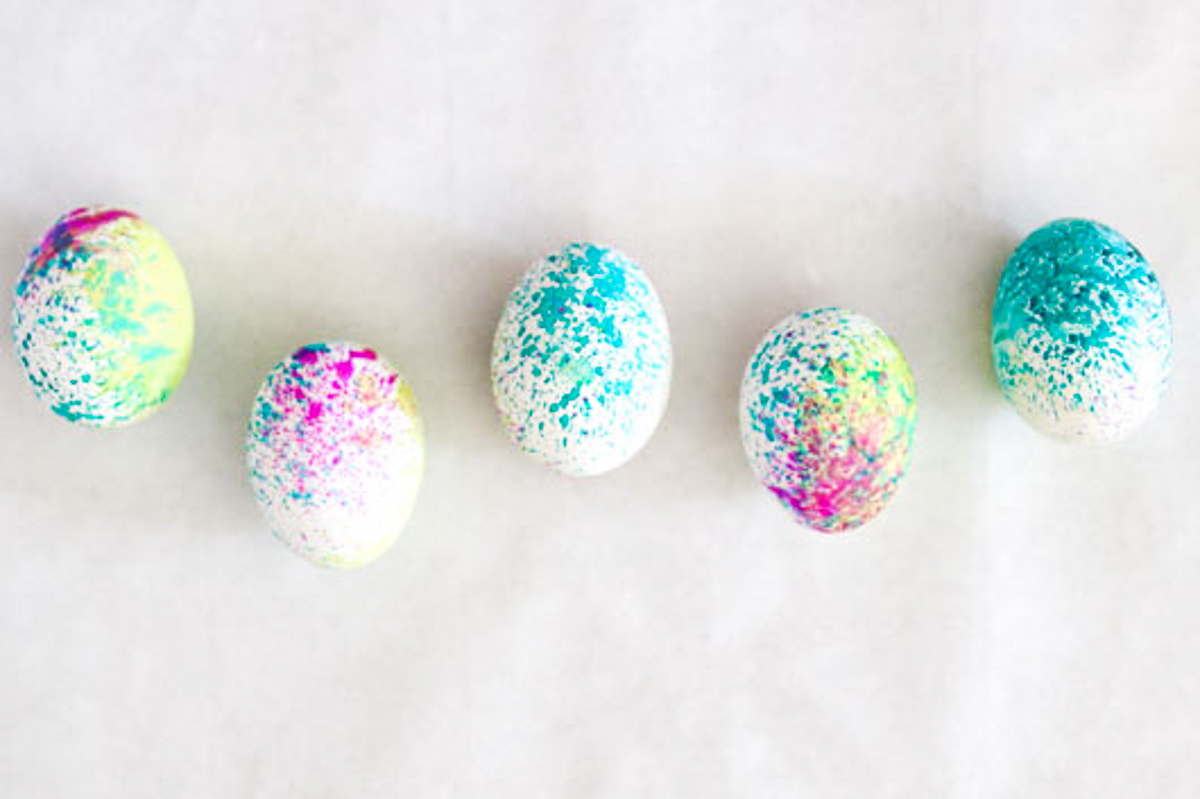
x=828 y=411
x=581 y=363
x=335 y=452
x=1081 y=332
x=102 y=318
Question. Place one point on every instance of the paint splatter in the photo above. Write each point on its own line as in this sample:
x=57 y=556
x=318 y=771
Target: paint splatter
x=828 y=412
x=335 y=451
x=1081 y=332
x=581 y=365
x=102 y=318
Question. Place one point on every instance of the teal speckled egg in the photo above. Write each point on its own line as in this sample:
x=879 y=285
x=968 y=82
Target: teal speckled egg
x=581 y=363
x=1081 y=332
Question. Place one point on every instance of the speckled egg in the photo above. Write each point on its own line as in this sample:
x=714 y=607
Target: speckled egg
x=828 y=411
x=336 y=452
x=581 y=365
x=1081 y=332
x=102 y=318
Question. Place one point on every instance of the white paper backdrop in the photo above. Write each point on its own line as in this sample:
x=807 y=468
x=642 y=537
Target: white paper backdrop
x=1021 y=621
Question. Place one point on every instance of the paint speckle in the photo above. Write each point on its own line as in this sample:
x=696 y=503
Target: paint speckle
x=828 y=413
x=581 y=364
x=1081 y=332
x=102 y=318
x=336 y=452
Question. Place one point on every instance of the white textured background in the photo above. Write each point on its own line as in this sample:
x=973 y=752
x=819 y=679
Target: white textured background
x=1022 y=621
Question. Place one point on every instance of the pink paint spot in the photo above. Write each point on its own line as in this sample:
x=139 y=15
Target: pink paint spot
x=827 y=477
x=81 y=220
x=61 y=237
x=306 y=355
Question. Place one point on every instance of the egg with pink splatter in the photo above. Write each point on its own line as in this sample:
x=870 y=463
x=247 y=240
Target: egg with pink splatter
x=828 y=411
x=335 y=451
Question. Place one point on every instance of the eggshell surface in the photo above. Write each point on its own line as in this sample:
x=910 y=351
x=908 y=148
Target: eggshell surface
x=581 y=363
x=335 y=451
x=828 y=413
x=102 y=318
x=1081 y=332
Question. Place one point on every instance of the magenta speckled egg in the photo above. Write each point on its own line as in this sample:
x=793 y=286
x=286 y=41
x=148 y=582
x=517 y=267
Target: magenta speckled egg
x=336 y=452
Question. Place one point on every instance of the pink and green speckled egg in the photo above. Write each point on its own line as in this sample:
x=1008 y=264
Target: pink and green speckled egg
x=102 y=318
x=828 y=411
x=336 y=452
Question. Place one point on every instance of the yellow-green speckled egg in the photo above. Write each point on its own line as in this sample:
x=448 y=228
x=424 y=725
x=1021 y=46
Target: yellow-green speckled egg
x=102 y=318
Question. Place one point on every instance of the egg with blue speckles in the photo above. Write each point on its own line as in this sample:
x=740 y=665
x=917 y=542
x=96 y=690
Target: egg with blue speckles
x=828 y=411
x=1081 y=332
x=335 y=451
x=581 y=362
x=102 y=318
